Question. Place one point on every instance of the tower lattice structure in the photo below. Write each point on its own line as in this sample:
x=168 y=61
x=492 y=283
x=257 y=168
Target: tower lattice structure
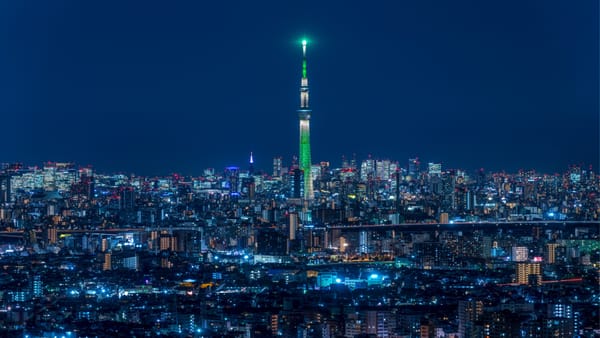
x=304 y=114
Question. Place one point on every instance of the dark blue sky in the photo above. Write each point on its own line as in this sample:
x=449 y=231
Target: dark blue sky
x=155 y=87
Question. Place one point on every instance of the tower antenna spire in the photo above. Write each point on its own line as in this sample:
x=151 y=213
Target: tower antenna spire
x=304 y=43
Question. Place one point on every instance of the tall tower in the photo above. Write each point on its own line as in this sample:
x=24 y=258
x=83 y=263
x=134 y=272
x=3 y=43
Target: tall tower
x=304 y=117
x=251 y=166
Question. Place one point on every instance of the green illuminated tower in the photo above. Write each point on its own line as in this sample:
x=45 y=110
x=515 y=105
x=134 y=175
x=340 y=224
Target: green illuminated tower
x=304 y=116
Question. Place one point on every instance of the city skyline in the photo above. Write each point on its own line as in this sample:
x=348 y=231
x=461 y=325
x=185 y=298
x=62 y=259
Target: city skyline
x=411 y=167
x=178 y=89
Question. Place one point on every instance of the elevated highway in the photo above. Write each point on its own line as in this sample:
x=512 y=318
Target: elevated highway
x=466 y=226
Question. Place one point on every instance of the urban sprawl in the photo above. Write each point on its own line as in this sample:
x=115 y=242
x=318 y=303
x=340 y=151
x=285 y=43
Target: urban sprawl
x=380 y=249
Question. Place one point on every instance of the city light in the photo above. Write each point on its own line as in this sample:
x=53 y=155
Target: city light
x=300 y=245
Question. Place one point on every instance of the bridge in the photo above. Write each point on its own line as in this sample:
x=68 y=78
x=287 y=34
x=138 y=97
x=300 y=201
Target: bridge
x=591 y=227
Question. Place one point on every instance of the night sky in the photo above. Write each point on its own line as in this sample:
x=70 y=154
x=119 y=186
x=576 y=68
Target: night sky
x=155 y=87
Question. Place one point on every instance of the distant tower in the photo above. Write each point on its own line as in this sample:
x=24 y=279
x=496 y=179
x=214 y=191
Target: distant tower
x=249 y=183
x=304 y=116
x=5 y=188
x=277 y=166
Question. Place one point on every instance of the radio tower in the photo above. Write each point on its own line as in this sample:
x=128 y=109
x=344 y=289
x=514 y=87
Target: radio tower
x=304 y=116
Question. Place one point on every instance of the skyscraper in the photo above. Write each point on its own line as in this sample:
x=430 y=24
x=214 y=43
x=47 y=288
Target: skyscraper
x=304 y=117
x=414 y=167
x=277 y=166
x=5 y=188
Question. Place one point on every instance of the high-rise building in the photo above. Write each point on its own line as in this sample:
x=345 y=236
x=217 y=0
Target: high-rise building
x=434 y=169
x=127 y=198
x=520 y=253
x=52 y=235
x=168 y=242
x=107 y=265
x=383 y=169
x=293 y=226
x=298 y=186
x=5 y=189
x=304 y=115
x=550 y=252
x=232 y=179
x=529 y=273
x=367 y=169
x=37 y=286
x=469 y=312
x=277 y=167
x=248 y=181
x=414 y=166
